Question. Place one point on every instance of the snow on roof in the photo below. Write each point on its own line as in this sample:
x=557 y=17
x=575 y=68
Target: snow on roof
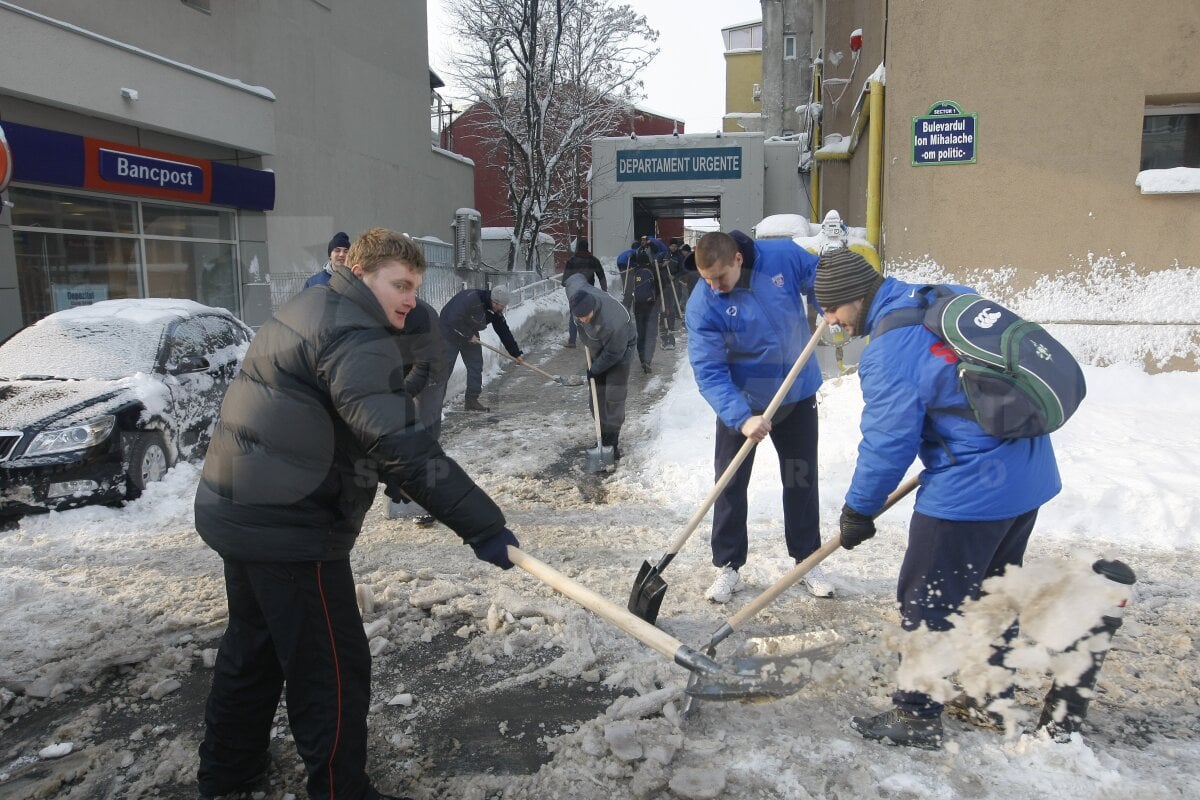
x=496 y=233
x=456 y=156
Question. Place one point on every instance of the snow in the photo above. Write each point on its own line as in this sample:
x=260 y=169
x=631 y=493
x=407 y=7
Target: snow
x=1169 y=181
x=98 y=589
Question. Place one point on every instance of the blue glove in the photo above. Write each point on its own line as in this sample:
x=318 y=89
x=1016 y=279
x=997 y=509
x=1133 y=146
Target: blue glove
x=494 y=550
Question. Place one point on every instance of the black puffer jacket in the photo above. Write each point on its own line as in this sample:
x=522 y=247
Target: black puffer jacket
x=315 y=420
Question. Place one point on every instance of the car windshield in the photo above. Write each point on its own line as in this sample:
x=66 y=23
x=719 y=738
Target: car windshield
x=89 y=348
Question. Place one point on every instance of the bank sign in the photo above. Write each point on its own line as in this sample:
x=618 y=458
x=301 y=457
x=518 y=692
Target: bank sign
x=944 y=135
x=135 y=170
x=680 y=164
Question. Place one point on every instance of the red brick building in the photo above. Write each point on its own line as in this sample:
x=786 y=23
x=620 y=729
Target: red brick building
x=473 y=134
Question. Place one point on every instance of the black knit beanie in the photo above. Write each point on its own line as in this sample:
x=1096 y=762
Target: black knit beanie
x=340 y=239
x=844 y=276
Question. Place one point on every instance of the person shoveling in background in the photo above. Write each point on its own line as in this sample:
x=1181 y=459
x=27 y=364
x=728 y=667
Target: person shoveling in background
x=462 y=318
x=979 y=495
x=585 y=264
x=607 y=330
x=745 y=330
x=316 y=419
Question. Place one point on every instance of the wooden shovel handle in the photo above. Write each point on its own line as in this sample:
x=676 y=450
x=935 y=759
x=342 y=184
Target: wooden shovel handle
x=643 y=631
x=510 y=358
x=748 y=445
x=595 y=399
x=804 y=567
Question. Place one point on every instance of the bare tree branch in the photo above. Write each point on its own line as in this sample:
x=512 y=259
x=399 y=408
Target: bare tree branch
x=551 y=76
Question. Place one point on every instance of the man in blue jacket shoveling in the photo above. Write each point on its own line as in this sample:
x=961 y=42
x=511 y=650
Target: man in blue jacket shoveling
x=979 y=495
x=746 y=326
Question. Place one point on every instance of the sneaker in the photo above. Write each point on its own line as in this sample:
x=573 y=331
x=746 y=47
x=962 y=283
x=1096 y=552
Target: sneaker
x=424 y=520
x=473 y=404
x=723 y=588
x=901 y=727
x=818 y=583
x=974 y=712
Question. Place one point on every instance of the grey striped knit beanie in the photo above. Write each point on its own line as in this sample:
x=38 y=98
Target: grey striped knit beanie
x=844 y=276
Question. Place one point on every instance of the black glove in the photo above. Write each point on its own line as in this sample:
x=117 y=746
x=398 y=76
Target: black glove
x=589 y=375
x=856 y=528
x=494 y=550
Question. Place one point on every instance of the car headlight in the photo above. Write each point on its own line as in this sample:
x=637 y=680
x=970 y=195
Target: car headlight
x=76 y=437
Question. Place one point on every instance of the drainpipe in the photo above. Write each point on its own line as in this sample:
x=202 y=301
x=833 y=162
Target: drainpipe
x=875 y=166
x=815 y=144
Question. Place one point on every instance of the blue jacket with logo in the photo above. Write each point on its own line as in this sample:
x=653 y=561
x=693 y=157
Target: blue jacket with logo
x=742 y=343
x=906 y=375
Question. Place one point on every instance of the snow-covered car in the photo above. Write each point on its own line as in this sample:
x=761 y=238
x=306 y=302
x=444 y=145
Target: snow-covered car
x=98 y=401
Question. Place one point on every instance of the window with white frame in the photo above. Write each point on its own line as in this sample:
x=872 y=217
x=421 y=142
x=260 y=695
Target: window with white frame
x=789 y=45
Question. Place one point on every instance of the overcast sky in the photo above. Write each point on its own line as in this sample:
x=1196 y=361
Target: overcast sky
x=690 y=45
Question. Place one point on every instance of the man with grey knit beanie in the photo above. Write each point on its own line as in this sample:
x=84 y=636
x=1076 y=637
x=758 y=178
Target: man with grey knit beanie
x=846 y=285
x=979 y=495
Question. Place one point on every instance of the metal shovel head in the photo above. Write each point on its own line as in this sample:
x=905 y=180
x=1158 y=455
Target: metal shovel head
x=648 y=590
x=781 y=674
x=599 y=459
x=571 y=380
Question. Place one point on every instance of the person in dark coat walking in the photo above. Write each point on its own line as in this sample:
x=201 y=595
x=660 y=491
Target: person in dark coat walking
x=468 y=313
x=315 y=420
x=643 y=298
x=585 y=264
x=607 y=331
x=336 y=252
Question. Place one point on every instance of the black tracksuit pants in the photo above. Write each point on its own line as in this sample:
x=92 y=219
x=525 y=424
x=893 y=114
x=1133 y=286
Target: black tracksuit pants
x=293 y=623
x=794 y=434
x=945 y=564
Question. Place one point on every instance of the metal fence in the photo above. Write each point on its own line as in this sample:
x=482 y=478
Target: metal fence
x=442 y=280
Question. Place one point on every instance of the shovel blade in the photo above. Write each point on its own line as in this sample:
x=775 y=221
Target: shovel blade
x=571 y=380
x=648 y=590
x=599 y=459
x=758 y=677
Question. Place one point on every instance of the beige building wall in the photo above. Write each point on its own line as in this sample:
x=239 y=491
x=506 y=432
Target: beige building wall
x=743 y=69
x=1059 y=88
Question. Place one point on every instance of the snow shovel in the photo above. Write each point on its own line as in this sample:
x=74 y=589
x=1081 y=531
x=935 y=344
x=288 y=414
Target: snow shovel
x=695 y=688
x=748 y=677
x=602 y=457
x=649 y=586
x=573 y=380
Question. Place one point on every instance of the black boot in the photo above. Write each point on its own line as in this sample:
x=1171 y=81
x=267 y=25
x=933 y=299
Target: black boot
x=901 y=727
x=473 y=404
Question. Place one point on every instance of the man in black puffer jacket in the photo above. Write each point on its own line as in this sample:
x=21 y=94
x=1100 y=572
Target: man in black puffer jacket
x=315 y=420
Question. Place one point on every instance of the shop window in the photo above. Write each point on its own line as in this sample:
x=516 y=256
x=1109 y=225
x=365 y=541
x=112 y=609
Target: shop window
x=57 y=270
x=1171 y=137
x=76 y=249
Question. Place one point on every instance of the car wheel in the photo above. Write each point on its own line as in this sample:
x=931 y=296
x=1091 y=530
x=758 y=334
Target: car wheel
x=148 y=462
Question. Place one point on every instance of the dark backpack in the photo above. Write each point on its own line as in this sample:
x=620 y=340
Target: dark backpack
x=1019 y=380
x=643 y=286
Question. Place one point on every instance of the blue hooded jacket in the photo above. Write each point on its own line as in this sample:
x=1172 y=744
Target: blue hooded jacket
x=908 y=373
x=743 y=343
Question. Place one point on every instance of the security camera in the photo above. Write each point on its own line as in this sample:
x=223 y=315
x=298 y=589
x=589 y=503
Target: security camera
x=129 y=94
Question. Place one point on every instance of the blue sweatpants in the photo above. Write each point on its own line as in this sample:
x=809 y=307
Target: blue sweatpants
x=944 y=565
x=794 y=434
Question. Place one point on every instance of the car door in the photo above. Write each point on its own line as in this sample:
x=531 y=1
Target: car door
x=193 y=381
